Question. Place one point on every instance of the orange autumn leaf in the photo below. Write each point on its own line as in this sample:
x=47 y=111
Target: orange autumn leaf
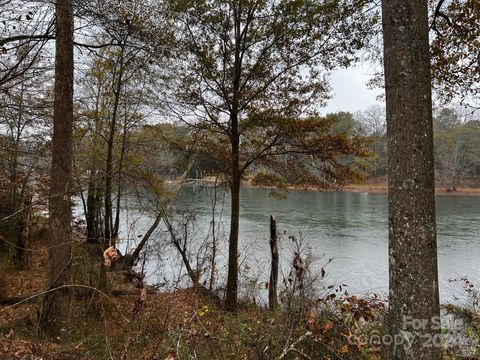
x=327 y=326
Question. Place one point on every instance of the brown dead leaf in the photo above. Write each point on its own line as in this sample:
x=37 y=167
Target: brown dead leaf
x=312 y=317
x=172 y=355
x=327 y=326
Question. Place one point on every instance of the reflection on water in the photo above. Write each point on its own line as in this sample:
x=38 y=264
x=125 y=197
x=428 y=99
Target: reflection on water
x=351 y=228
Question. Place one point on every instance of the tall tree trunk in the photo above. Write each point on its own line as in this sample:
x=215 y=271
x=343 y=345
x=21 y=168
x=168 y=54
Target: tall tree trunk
x=272 y=288
x=413 y=293
x=120 y=178
x=214 y=238
x=232 y=277
x=93 y=207
x=95 y=184
x=56 y=303
x=109 y=165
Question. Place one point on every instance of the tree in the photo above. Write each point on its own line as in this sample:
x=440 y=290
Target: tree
x=27 y=26
x=450 y=153
x=457 y=149
x=118 y=86
x=471 y=136
x=373 y=124
x=56 y=302
x=22 y=145
x=412 y=229
x=447 y=119
x=372 y=120
x=455 y=42
x=248 y=82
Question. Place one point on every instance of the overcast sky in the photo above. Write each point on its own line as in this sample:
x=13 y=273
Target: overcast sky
x=350 y=92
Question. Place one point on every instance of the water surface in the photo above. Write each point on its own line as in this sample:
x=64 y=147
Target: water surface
x=349 y=228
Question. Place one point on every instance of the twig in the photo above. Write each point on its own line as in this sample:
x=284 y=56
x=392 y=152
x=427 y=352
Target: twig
x=106 y=334
x=437 y=13
x=301 y=353
x=292 y=346
x=203 y=327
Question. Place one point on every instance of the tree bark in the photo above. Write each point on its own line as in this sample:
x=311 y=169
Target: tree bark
x=109 y=164
x=131 y=259
x=214 y=238
x=120 y=177
x=93 y=208
x=232 y=276
x=21 y=254
x=182 y=249
x=56 y=303
x=272 y=288
x=413 y=295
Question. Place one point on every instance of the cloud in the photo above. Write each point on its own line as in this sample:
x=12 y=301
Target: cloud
x=350 y=92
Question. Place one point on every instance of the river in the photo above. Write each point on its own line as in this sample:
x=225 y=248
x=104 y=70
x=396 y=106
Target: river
x=349 y=228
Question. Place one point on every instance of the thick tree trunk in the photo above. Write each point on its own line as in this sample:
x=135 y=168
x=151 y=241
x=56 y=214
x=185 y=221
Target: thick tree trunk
x=232 y=278
x=413 y=294
x=272 y=288
x=56 y=303
x=235 y=181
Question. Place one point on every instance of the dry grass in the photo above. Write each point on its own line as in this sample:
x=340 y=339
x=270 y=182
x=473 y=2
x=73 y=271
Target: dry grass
x=182 y=325
x=179 y=324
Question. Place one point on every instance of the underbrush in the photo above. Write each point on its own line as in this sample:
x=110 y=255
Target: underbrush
x=462 y=333
x=109 y=324
x=183 y=325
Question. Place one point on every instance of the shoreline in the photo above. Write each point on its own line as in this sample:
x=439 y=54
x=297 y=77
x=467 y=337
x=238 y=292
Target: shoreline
x=382 y=189
x=374 y=188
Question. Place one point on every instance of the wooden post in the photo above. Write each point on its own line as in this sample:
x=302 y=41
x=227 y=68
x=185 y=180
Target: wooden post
x=272 y=289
